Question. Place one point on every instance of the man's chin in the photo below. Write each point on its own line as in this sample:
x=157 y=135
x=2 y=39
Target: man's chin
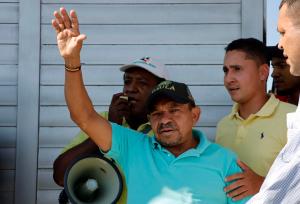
x=168 y=140
x=167 y=143
x=295 y=70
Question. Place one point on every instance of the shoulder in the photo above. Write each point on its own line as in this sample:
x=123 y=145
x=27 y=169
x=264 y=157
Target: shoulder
x=215 y=150
x=225 y=159
x=279 y=106
x=286 y=107
x=218 y=149
x=119 y=131
x=226 y=119
x=118 y=128
x=225 y=126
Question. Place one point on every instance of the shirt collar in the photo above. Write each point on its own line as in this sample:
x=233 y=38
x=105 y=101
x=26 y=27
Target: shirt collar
x=267 y=109
x=201 y=147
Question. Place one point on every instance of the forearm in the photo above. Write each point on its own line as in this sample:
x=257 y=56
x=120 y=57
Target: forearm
x=78 y=101
x=81 y=108
x=69 y=41
x=61 y=164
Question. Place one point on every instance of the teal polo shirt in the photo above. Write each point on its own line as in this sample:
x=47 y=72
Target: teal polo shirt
x=155 y=175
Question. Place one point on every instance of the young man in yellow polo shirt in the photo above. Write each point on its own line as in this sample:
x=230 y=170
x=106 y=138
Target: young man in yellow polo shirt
x=256 y=127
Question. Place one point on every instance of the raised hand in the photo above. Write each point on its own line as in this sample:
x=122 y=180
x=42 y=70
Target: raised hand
x=69 y=39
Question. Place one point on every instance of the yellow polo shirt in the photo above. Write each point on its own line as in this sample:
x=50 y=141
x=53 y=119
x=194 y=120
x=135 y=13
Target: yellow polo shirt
x=258 y=139
x=81 y=136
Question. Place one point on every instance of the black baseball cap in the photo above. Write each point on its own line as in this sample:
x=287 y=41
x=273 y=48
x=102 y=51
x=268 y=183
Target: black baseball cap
x=176 y=91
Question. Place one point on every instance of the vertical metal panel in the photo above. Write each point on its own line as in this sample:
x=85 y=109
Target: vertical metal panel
x=8 y=100
x=28 y=101
x=252 y=19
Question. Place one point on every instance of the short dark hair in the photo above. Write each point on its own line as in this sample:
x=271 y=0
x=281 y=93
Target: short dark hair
x=254 y=49
x=274 y=51
x=293 y=8
x=289 y=3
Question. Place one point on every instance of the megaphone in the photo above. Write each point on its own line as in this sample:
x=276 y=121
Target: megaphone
x=93 y=179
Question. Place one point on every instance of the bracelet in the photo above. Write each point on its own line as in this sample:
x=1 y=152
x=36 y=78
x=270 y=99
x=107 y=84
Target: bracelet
x=75 y=69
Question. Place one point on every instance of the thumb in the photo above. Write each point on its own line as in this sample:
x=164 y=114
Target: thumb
x=80 y=38
x=243 y=166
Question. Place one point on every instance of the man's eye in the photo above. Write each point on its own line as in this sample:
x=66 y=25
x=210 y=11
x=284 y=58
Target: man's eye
x=155 y=114
x=282 y=33
x=143 y=82
x=174 y=110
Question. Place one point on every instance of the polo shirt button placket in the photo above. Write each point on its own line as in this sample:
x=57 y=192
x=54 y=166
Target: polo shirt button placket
x=241 y=134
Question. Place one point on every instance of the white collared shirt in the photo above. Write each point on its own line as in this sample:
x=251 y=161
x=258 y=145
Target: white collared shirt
x=282 y=183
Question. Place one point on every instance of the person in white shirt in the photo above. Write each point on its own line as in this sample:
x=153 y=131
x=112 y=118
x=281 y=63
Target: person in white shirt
x=282 y=184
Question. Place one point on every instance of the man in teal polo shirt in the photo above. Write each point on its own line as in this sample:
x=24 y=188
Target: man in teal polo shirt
x=177 y=164
x=127 y=109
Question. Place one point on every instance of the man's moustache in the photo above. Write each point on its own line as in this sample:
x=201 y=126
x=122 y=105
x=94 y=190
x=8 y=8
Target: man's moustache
x=167 y=125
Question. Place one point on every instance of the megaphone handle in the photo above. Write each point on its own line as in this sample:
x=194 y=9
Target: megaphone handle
x=103 y=155
x=63 y=197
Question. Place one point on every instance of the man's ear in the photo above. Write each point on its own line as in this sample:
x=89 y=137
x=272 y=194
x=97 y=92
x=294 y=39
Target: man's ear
x=264 y=70
x=196 y=111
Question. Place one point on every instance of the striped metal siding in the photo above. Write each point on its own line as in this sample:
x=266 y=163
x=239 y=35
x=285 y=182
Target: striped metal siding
x=8 y=99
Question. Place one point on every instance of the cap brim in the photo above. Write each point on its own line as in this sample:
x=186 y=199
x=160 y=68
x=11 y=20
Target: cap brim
x=153 y=98
x=129 y=66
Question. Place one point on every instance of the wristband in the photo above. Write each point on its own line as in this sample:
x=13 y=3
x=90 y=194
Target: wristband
x=73 y=69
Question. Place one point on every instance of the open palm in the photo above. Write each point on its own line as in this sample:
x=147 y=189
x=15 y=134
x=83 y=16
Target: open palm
x=69 y=39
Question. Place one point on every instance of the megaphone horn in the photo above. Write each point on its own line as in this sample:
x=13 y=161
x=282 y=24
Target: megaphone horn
x=93 y=179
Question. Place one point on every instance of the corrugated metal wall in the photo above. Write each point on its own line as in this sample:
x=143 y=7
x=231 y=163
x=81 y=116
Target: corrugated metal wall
x=188 y=35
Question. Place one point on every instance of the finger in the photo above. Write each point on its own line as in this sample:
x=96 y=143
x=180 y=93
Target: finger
x=55 y=26
x=59 y=20
x=233 y=186
x=116 y=96
x=237 y=192
x=242 y=165
x=241 y=196
x=234 y=177
x=115 y=99
x=121 y=105
x=66 y=18
x=74 y=20
x=80 y=38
